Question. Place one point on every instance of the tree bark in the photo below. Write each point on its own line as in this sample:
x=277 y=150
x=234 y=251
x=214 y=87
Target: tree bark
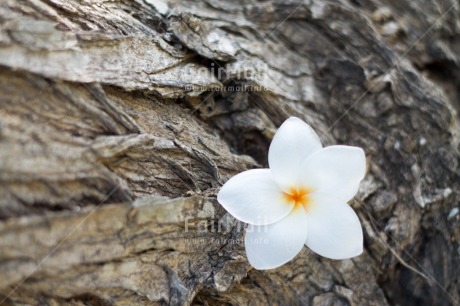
x=120 y=120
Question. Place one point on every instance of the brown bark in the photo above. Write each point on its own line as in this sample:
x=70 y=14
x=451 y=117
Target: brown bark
x=118 y=125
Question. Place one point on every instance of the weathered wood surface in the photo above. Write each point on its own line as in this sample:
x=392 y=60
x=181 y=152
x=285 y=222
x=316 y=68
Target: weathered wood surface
x=118 y=126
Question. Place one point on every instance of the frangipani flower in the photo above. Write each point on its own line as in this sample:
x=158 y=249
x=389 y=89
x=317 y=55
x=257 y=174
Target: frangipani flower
x=301 y=199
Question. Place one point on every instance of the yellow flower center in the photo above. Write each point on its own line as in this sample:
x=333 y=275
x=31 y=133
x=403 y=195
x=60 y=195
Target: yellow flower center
x=297 y=196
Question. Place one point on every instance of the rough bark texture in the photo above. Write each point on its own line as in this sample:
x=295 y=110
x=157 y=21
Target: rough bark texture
x=118 y=126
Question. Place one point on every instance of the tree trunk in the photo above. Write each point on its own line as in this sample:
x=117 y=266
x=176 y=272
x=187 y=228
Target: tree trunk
x=120 y=120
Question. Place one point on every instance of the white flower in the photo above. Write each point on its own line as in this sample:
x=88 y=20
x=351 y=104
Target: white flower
x=301 y=199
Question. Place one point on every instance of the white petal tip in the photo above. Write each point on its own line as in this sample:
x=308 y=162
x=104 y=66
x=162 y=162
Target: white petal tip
x=259 y=263
x=293 y=118
x=357 y=253
x=294 y=141
x=350 y=256
x=257 y=266
x=271 y=246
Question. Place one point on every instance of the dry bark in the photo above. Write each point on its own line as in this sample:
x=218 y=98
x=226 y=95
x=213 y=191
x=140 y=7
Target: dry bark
x=110 y=162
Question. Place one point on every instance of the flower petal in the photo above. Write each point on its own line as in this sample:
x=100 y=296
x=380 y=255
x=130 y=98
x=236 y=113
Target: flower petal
x=292 y=143
x=253 y=197
x=337 y=170
x=270 y=246
x=334 y=230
